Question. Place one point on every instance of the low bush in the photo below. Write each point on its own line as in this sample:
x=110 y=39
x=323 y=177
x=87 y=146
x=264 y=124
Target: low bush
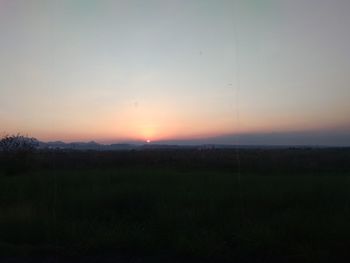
x=16 y=153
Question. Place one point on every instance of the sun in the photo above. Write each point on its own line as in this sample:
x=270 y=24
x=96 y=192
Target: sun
x=148 y=141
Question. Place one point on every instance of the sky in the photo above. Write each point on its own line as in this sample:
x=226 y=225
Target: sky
x=244 y=71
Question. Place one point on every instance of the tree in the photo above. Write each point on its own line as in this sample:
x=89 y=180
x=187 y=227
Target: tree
x=16 y=152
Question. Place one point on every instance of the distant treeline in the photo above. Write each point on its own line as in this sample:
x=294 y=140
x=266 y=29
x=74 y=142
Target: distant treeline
x=259 y=160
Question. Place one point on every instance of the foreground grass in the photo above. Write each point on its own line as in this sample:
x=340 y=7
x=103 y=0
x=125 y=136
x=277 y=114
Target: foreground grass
x=192 y=215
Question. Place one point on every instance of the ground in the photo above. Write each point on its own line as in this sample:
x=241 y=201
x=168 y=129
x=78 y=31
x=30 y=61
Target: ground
x=173 y=215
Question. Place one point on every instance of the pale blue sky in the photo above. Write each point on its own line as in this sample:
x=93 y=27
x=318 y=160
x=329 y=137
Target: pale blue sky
x=116 y=70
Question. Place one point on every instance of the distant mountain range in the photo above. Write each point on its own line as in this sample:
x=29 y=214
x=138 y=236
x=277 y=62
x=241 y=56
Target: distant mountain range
x=266 y=140
x=92 y=145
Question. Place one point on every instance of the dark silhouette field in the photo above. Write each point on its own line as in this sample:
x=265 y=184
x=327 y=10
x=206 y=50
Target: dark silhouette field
x=182 y=205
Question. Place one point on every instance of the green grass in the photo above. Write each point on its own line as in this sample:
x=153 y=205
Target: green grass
x=204 y=215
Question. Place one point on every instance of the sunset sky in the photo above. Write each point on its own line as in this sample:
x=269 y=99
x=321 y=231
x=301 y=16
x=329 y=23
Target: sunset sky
x=111 y=71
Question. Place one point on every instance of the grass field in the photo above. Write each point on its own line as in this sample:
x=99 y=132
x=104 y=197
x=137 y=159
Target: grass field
x=172 y=215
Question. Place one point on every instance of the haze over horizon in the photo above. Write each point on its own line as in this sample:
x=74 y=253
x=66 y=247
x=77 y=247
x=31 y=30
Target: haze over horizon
x=245 y=71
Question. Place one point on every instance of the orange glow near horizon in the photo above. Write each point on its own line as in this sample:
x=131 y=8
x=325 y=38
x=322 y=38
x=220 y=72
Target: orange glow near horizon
x=157 y=121
x=157 y=131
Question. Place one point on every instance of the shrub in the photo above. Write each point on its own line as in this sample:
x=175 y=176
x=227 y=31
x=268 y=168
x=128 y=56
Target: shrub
x=16 y=153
